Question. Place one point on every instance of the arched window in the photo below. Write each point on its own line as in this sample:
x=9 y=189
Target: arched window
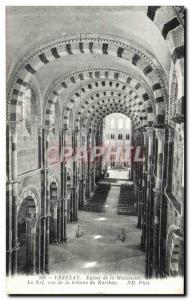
x=120 y=123
x=28 y=109
x=112 y=123
x=52 y=115
x=26 y=104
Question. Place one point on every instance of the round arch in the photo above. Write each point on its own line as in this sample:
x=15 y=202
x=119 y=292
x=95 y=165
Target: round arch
x=32 y=192
x=87 y=44
x=88 y=79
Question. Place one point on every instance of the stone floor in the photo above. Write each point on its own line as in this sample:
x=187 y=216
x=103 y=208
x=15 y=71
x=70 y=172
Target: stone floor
x=99 y=250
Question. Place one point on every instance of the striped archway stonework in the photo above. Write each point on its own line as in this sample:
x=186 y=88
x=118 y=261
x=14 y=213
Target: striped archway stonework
x=93 y=123
x=132 y=101
x=90 y=44
x=90 y=78
x=170 y=23
x=95 y=109
x=104 y=86
x=32 y=192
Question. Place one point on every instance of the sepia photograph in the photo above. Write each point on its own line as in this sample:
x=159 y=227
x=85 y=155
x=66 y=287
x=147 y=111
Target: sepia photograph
x=95 y=150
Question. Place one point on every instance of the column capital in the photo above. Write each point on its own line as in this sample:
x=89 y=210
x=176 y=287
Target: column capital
x=171 y=134
x=54 y=202
x=65 y=128
x=32 y=221
x=160 y=133
x=179 y=118
x=66 y=198
x=150 y=131
x=76 y=130
x=13 y=126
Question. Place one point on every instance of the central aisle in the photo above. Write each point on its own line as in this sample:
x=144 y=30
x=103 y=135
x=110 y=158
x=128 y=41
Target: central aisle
x=99 y=250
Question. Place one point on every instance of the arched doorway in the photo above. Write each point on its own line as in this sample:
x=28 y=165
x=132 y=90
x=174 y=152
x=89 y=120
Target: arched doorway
x=27 y=224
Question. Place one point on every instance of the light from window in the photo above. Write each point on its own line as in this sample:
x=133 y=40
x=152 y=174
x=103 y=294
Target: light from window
x=112 y=123
x=120 y=123
x=26 y=104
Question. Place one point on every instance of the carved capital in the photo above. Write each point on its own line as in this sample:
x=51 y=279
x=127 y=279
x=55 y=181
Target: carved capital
x=32 y=222
x=76 y=130
x=179 y=118
x=150 y=131
x=13 y=126
x=160 y=133
x=47 y=129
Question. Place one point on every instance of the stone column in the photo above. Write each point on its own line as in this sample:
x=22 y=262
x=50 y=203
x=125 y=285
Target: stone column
x=54 y=237
x=38 y=245
x=40 y=147
x=82 y=186
x=160 y=133
x=139 y=184
x=75 y=179
x=182 y=199
x=12 y=246
x=45 y=202
x=62 y=186
x=144 y=181
x=39 y=225
x=31 y=225
x=89 y=177
x=82 y=192
x=98 y=161
x=148 y=245
x=135 y=170
x=93 y=163
x=167 y=176
x=169 y=162
x=65 y=200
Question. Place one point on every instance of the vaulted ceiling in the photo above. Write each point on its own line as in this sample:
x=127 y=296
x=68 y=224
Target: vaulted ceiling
x=117 y=53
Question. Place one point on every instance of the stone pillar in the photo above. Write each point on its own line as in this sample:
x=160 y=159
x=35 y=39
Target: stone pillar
x=38 y=245
x=135 y=169
x=65 y=200
x=39 y=223
x=167 y=182
x=62 y=186
x=148 y=245
x=160 y=133
x=169 y=162
x=144 y=181
x=139 y=183
x=93 y=163
x=39 y=147
x=89 y=173
x=45 y=202
x=12 y=246
x=75 y=179
x=31 y=225
x=82 y=193
x=98 y=161
x=182 y=199
x=54 y=237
